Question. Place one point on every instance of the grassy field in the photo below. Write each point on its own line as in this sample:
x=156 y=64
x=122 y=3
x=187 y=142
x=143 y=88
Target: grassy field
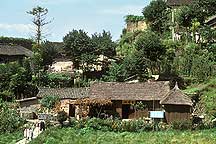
x=71 y=136
x=10 y=138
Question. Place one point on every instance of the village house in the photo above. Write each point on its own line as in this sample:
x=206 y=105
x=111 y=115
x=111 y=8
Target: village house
x=10 y=53
x=156 y=96
x=68 y=97
x=119 y=99
x=29 y=107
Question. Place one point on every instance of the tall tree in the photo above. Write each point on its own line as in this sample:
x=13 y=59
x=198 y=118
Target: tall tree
x=156 y=15
x=105 y=45
x=39 y=20
x=149 y=45
x=79 y=46
x=199 y=9
x=48 y=53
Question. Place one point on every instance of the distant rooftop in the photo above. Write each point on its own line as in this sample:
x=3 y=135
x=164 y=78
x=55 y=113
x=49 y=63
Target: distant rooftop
x=13 y=50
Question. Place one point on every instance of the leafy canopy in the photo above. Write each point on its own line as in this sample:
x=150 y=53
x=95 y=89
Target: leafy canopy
x=149 y=44
x=79 y=46
x=49 y=101
x=156 y=15
x=104 y=44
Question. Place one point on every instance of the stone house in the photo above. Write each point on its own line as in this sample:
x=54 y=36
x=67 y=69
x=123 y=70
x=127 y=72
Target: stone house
x=68 y=97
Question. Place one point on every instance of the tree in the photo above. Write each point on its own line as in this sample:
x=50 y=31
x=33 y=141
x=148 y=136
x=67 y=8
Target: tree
x=27 y=43
x=132 y=66
x=48 y=53
x=116 y=73
x=10 y=119
x=104 y=44
x=195 y=62
x=81 y=49
x=149 y=44
x=185 y=16
x=199 y=10
x=15 y=82
x=126 y=44
x=136 y=66
x=39 y=20
x=156 y=15
x=49 y=101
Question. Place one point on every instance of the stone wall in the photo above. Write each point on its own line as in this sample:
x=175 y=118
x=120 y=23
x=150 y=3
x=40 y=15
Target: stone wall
x=135 y=26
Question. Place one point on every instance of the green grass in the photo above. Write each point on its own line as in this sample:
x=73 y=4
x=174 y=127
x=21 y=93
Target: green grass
x=84 y=136
x=11 y=138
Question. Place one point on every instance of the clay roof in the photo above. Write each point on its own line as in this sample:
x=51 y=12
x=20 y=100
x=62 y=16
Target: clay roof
x=64 y=93
x=176 y=97
x=12 y=50
x=130 y=91
x=178 y=2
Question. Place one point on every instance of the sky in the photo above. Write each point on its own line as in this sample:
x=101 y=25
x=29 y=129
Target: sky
x=90 y=15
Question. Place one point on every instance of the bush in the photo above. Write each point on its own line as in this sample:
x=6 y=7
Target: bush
x=182 y=125
x=62 y=116
x=9 y=118
x=72 y=122
x=112 y=125
x=205 y=125
x=49 y=101
x=54 y=80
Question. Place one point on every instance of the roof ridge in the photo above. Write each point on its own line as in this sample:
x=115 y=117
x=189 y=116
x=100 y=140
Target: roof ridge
x=182 y=96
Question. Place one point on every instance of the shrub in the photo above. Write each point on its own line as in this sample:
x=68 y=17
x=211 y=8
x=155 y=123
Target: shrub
x=72 y=122
x=9 y=118
x=54 y=80
x=49 y=101
x=62 y=116
x=182 y=125
x=112 y=125
x=204 y=125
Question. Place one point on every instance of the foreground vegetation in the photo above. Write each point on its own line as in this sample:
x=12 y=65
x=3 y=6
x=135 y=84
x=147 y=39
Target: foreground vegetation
x=83 y=136
x=11 y=138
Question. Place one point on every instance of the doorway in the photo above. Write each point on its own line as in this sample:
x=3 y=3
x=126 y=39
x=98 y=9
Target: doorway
x=71 y=110
x=125 y=111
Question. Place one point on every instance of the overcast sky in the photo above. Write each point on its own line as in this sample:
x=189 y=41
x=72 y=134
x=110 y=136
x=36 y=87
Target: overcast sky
x=89 y=15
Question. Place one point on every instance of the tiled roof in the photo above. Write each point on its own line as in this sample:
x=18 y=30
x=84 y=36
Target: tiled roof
x=211 y=21
x=176 y=97
x=63 y=93
x=178 y=2
x=130 y=91
x=12 y=50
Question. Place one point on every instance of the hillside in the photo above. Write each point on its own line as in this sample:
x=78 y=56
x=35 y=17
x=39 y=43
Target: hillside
x=205 y=96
